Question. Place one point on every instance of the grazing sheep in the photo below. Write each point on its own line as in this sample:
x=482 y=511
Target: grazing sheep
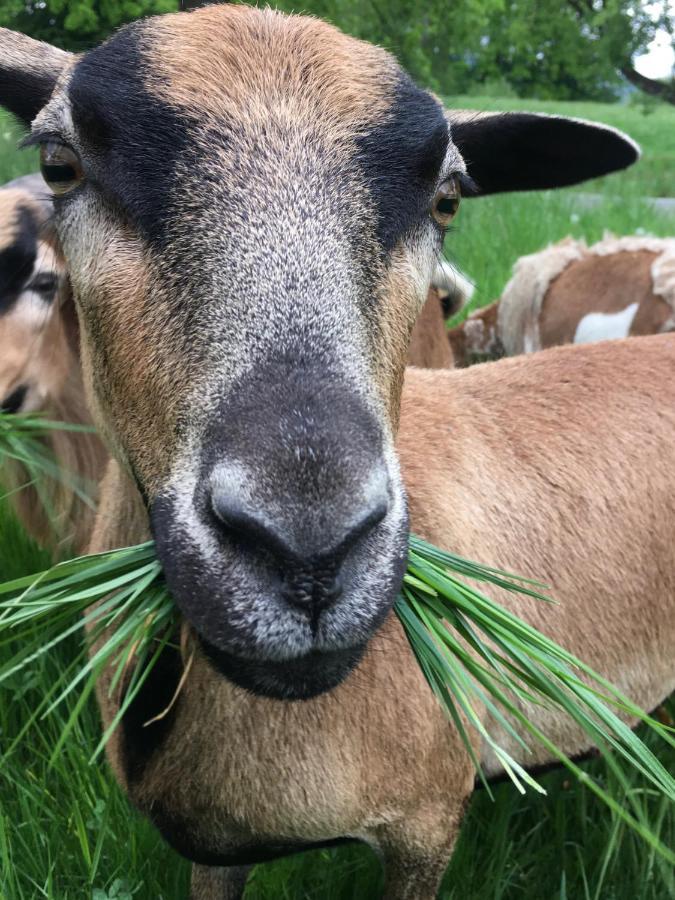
x=40 y=372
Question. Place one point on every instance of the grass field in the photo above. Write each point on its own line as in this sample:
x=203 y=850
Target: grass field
x=67 y=833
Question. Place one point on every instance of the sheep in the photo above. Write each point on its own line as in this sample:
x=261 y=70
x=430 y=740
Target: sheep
x=40 y=372
x=573 y=293
x=200 y=153
x=429 y=346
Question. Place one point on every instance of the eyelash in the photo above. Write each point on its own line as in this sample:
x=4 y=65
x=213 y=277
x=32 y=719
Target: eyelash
x=34 y=140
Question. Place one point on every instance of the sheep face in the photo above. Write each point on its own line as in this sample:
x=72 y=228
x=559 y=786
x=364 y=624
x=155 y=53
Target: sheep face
x=31 y=340
x=251 y=207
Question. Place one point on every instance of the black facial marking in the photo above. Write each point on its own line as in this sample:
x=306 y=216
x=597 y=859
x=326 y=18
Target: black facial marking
x=400 y=160
x=134 y=137
x=296 y=679
x=17 y=259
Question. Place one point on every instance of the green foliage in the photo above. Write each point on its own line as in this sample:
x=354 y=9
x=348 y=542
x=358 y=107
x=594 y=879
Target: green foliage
x=566 y=50
x=473 y=651
x=76 y=24
x=544 y=48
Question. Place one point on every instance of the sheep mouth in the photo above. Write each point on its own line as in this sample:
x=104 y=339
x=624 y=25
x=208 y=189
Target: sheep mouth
x=301 y=678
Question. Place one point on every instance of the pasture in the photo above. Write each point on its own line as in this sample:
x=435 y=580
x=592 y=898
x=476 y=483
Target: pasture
x=66 y=831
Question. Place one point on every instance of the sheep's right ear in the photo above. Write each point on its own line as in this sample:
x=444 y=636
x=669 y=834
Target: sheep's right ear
x=29 y=70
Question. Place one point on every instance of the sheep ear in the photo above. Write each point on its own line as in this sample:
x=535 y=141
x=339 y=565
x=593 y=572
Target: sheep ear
x=527 y=151
x=29 y=70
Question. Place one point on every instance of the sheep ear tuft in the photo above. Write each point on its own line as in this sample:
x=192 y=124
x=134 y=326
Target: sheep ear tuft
x=29 y=70
x=527 y=151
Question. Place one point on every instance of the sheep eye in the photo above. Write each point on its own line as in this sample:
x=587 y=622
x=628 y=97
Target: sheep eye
x=61 y=167
x=45 y=283
x=446 y=201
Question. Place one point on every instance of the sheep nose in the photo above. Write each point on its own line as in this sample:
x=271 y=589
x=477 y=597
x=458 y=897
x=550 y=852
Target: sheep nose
x=14 y=401
x=311 y=566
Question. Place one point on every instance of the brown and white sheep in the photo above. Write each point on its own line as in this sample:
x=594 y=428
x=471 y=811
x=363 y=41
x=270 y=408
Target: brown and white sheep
x=570 y=293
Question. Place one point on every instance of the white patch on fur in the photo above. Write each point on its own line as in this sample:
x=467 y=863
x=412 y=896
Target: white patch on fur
x=599 y=326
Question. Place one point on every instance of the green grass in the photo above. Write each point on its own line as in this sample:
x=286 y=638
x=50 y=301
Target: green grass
x=67 y=833
x=12 y=162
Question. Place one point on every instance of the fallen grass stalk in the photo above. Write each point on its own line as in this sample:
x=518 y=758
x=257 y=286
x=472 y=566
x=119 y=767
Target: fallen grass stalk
x=482 y=662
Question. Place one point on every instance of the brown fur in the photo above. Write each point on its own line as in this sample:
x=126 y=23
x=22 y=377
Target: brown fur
x=483 y=487
x=53 y=514
x=551 y=291
x=12 y=199
x=353 y=78
x=429 y=344
x=41 y=353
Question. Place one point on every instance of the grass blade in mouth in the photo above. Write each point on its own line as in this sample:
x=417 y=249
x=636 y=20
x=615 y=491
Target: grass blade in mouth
x=483 y=663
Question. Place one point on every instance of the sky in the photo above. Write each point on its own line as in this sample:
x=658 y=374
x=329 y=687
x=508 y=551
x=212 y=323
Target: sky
x=659 y=61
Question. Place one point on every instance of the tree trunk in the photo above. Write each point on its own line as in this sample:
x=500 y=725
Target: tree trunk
x=662 y=89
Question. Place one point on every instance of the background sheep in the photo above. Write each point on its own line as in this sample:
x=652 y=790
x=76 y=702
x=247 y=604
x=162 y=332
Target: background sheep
x=573 y=293
x=40 y=371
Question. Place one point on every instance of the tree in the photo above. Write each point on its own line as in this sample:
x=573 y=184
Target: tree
x=562 y=49
x=626 y=28
x=575 y=49
x=76 y=24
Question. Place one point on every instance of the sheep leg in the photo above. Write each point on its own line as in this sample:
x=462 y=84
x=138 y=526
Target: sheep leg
x=213 y=883
x=414 y=877
x=416 y=854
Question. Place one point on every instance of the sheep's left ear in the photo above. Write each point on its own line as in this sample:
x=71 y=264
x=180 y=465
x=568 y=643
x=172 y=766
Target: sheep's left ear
x=527 y=151
x=29 y=70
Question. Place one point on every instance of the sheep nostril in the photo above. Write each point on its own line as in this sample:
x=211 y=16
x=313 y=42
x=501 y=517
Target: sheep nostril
x=14 y=401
